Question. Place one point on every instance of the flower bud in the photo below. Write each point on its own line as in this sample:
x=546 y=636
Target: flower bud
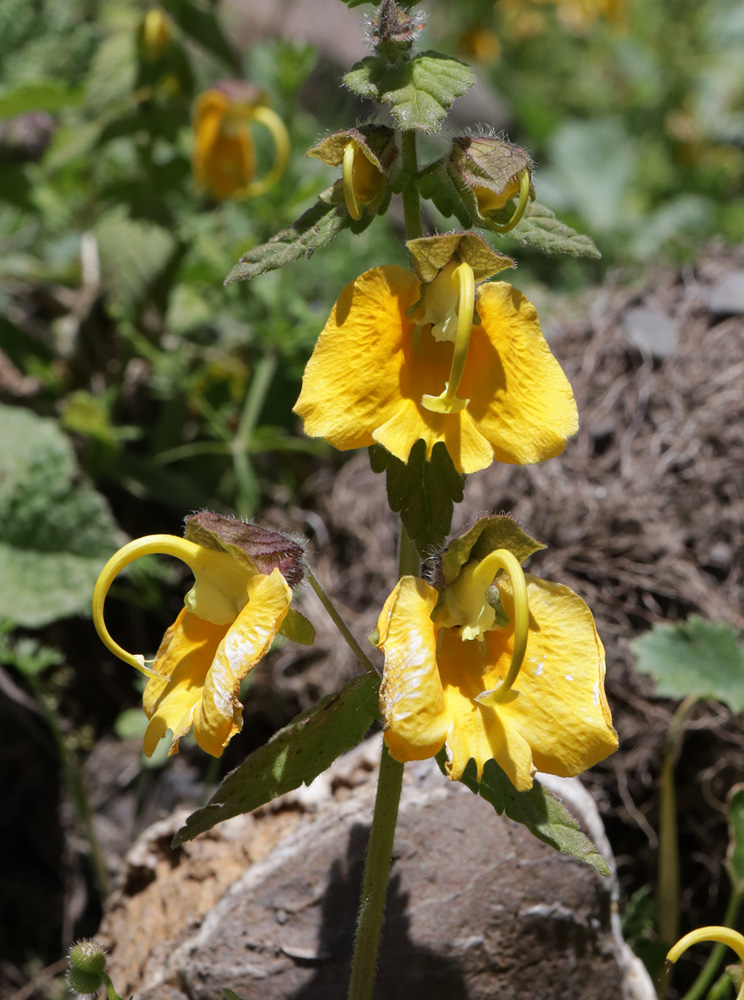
x=85 y=974
x=374 y=152
x=488 y=172
x=155 y=34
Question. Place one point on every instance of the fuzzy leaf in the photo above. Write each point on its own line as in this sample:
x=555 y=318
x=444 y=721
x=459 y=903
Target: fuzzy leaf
x=696 y=657
x=418 y=91
x=133 y=254
x=295 y=755
x=423 y=493
x=540 y=229
x=436 y=185
x=316 y=228
x=56 y=531
x=538 y=809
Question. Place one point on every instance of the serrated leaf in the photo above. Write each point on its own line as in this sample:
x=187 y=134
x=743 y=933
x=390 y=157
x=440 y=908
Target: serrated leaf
x=315 y=228
x=735 y=854
x=486 y=535
x=418 y=91
x=297 y=628
x=56 y=531
x=133 y=254
x=41 y=95
x=696 y=657
x=540 y=229
x=295 y=755
x=423 y=493
x=538 y=809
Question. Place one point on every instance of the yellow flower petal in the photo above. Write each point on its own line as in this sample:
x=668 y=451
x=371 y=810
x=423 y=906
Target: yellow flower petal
x=185 y=656
x=532 y=412
x=368 y=373
x=411 y=693
x=224 y=158
x=218 y=716
x=204 y=665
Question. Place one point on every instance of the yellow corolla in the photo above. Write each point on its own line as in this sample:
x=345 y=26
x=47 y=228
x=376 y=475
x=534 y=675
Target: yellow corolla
x=484 y=383
x=224 y=157
x=499 y=665
x=722 y=935
x=231 y=616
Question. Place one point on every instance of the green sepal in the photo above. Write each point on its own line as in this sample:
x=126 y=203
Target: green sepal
x=696 y=657
x=429 y=254
x=297 y=628
x=418 y=91
x=540 y=229
x=423 y=493
x=487 y=534
x=537 y=809
x=295 y=755
x=314 y=229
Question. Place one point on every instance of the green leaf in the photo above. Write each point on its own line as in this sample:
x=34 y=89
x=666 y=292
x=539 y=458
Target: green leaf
x=423 y=493
x=295 y=755
x=538 y=809
x=418 y=91
x=735 y=854
x=487 y=534
x=539 y=228
x=203 y=28
x=316 y=228
x=297 y=628
x=56 y=531
x=133 y=254
x=696 y=657
x=41 y=95
x=436 y=185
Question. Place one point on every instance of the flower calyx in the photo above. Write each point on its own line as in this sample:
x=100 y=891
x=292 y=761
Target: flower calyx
x=367 y=155
x=489 y=173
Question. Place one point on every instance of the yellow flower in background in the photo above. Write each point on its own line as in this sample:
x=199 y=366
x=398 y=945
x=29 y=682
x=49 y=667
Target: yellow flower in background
x=224 y=156
x=231 y=616
x=501 y=665
x=155 y=34
x=377 y=372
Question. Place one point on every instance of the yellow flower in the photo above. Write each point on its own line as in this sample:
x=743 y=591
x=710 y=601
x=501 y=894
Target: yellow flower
x=224 y=157
x=376 y=373
x=155 y=35
x=504 y=666
x=725 y=935
x=231 y=616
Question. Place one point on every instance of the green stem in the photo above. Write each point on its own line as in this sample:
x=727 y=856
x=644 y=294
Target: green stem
x=244 y=474
x=668 y=886
x=708 y=973
x=338 y=621
x=376 y=872
x=411 y=200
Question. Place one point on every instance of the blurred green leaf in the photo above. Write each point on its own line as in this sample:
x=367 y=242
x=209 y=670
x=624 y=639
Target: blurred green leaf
x=56 y=531
x=696 y=657
x=132 y=254
x=203 y=27
x=41 y=95
x=294 y=756
x=423 y=493
x=297 y=628
x=418 y=91
x=538 y=809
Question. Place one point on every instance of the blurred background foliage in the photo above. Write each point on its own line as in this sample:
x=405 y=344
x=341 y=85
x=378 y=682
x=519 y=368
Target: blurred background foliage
x=135 y=388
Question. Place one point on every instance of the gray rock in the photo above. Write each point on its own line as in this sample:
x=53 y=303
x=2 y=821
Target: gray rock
x=651 y=331
x=477 y=907
x=726 y=297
